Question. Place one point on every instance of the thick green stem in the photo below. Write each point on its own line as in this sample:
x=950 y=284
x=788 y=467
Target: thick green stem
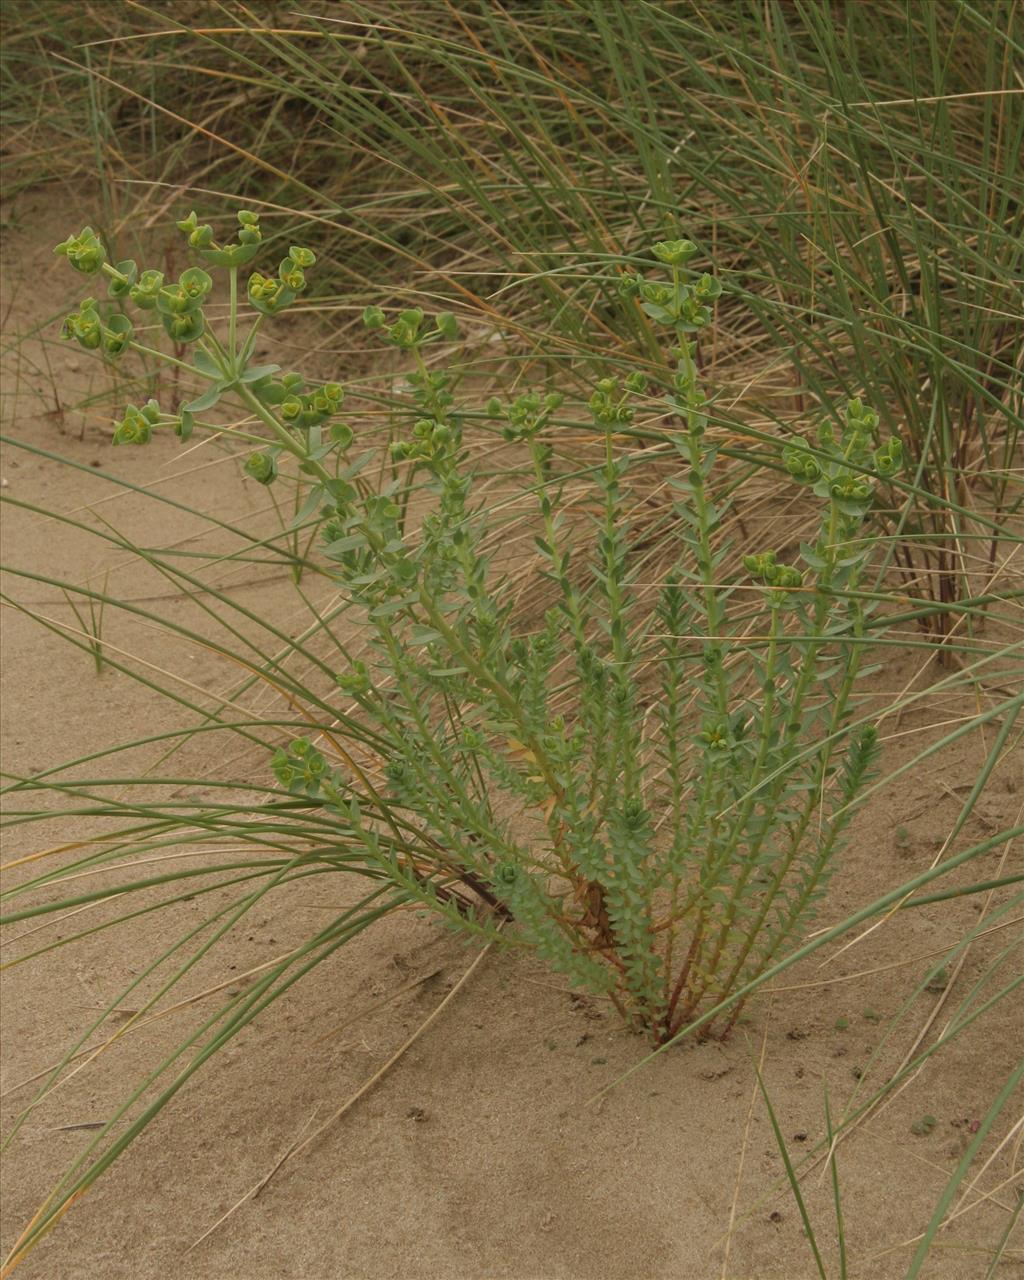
x=469 y=659
x=284 y=436
x=810 y=805
x=233 y=318
x=162 y=355
x=249 y=343
x=712 y=605
x=772 y=798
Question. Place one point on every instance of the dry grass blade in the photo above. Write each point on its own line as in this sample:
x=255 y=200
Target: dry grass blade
x=754 y=1095
x=377 y=1005
x=302 y=1143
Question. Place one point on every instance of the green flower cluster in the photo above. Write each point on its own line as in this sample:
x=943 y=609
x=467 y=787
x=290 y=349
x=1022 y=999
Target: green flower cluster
x=270 y=295
x=262 y=466
x=674 y=253
x=145 y=289
x=845 y=468
x=136 y=427
x=355 y=681
x=236 y=254
x=111 y=333
x=85 y=251
x=716 y=738
x=180 y=305
x=301 y=769
x=311 y=408
x=682 y=304
x=285 y=405
x=298 y=409
x=406 y=331
x=609 y=404
x=526 y=415
x=781 y=576
x=430 y=441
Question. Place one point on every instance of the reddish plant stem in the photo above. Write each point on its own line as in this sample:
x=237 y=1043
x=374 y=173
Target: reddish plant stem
x=677 y=991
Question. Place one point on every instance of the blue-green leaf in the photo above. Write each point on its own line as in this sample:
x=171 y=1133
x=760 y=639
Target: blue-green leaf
x=257 y=371
x=207 y=365
x=206 y=401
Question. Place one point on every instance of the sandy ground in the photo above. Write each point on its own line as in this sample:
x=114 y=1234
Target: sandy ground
x=480 y=1154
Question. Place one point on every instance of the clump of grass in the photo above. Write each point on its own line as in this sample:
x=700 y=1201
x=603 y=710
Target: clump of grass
x=855 y=173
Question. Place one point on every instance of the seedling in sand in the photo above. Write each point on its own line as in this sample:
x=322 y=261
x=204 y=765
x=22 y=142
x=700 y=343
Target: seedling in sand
x=938 y=982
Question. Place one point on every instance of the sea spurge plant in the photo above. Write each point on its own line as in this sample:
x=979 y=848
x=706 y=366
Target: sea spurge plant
x=653 y=786
x=661 y=851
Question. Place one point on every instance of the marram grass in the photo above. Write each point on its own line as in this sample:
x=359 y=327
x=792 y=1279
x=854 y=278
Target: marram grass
x=854 y=168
